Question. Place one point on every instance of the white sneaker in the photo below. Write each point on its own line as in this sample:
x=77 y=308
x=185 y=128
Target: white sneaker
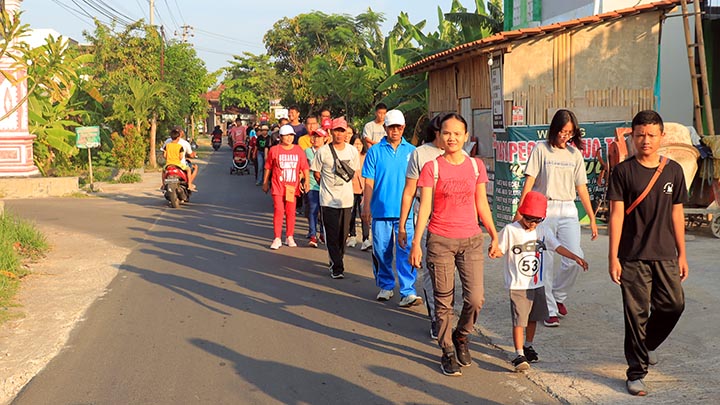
x=290 y=241
x=385 y=295
x=277 y=242
x=351 y=242
x=366 y=245
x=410 y=300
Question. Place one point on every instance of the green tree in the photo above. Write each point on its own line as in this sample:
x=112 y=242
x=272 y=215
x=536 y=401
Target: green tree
x=120 y=56
x=315 y=47
x=187 y=79
x=250 y=82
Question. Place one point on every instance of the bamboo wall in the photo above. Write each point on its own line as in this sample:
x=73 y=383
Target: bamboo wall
x=606 y=71
x=443 y=91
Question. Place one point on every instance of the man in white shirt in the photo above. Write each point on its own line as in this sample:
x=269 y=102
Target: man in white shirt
x=374 y=131
x=336 y=193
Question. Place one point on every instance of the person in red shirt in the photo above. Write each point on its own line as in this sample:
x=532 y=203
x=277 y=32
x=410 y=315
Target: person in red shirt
x=453 y=188
x=287 y=165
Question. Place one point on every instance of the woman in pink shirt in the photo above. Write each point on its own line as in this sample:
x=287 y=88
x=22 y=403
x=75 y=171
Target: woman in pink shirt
x=288 y=165
x=453 y=188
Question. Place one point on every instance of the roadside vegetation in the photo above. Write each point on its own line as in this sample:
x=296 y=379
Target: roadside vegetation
x=20 y=243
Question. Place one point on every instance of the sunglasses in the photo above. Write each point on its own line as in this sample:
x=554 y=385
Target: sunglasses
x=533 y=220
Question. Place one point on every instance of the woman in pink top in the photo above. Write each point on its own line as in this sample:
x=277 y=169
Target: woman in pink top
x=453 y=187
x=288 y=165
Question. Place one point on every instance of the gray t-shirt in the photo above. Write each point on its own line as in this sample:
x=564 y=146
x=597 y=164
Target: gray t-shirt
x=421 y=155
x=334 y=191
x=374 y=131
x=557 y=171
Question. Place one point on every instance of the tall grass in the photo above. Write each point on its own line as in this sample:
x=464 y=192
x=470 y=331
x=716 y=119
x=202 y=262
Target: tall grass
x=20 y=242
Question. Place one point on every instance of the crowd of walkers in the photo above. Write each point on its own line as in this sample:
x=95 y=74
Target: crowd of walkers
x=421 y=211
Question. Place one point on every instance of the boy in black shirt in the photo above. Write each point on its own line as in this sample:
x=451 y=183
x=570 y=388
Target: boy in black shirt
x=647 y=245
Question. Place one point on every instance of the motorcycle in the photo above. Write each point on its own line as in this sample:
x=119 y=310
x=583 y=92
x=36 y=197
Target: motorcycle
x=176 y=186
x=216 y=142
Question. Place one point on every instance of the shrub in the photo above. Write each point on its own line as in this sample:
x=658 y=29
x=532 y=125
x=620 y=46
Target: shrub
x=130 y=178
x=129 y=148
x=106 y=159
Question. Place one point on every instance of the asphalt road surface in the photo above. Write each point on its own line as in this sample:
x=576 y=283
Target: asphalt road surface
x=203 y=312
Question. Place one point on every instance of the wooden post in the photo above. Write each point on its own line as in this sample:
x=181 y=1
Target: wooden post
x=92 y=184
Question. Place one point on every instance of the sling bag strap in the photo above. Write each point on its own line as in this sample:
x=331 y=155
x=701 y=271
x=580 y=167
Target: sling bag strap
x=650 y=185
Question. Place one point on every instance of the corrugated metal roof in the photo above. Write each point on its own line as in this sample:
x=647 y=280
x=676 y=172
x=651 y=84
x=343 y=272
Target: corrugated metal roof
x=508 y=36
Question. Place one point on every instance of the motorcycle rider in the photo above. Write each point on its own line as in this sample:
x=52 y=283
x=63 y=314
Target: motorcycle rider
x=174 y=154
x=189 y=153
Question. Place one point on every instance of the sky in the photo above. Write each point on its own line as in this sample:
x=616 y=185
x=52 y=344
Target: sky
x=220 y=28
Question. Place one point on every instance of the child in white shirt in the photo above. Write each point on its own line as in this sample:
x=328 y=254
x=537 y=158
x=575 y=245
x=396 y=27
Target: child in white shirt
x=524 y=243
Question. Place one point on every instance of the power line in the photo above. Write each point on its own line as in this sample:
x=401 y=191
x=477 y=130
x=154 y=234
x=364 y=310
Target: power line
x=75 y=13
x=228 y=38
x=180 y=12
x=107 y=13
x=172 y=17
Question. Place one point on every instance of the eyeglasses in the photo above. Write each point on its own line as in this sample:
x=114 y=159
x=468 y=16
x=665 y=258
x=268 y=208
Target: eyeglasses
x=566 y=133
x=533 y=220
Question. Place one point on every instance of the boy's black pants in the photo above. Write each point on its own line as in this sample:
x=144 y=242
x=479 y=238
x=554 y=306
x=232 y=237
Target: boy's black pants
x=336 y=222
x=653 y=301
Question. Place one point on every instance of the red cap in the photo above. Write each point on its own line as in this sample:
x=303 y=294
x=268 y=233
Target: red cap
x=339 y=123
x=534 y=205
x=326 y=123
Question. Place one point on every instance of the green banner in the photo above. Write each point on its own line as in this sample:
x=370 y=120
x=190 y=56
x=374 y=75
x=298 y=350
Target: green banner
x=512 y=150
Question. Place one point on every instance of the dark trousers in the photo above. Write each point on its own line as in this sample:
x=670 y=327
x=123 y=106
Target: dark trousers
x=336 y=222
x=356 y=209
x=653 y=301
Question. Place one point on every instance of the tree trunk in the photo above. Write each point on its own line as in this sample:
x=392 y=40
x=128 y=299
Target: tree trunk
x=153 y=133
x=192 y=127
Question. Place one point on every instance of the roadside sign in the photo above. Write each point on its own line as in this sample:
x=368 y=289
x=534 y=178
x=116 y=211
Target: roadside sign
x=87 y=137
x=281 y=113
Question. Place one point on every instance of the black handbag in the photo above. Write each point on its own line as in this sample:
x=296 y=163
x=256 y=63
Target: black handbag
x=342 y=169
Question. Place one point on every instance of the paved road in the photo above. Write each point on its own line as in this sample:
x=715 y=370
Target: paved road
x=203 y=312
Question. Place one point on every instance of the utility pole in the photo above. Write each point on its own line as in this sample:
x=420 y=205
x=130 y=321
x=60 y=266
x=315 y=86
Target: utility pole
x=186 y=31
x=152 y=12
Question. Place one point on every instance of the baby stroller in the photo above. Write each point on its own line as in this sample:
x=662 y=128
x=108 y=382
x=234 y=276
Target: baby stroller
x=240 y=160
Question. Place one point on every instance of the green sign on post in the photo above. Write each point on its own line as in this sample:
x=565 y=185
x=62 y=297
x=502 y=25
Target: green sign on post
x=512 y=150
x=87 y=138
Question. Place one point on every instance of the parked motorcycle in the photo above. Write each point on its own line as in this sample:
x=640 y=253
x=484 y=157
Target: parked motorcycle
x=176 y=186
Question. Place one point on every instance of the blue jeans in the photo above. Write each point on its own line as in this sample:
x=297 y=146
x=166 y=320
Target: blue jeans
x=384 y=237
x=260 y=167
x=314 y=209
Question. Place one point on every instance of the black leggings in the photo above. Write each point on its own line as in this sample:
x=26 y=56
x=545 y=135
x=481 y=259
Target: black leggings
x=356 y=213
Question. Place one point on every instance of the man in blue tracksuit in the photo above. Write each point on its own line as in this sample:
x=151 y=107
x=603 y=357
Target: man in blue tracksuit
x=384 y=173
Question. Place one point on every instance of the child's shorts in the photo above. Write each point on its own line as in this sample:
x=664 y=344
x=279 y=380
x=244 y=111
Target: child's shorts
x=528 y=305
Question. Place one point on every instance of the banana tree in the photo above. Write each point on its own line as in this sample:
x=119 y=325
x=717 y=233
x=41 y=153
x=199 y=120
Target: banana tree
x=138 y=106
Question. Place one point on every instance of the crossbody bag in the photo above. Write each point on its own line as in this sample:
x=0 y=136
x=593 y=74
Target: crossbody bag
x=641 y=197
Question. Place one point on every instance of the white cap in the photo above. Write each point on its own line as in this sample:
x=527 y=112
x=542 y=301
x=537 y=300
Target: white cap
x=394 y=117
x=287 y=130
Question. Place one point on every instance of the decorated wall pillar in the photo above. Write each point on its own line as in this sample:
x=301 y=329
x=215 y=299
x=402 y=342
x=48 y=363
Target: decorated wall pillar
x=16 y=143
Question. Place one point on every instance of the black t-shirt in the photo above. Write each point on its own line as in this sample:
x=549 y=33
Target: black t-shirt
x=262 y=142
x=647 y=233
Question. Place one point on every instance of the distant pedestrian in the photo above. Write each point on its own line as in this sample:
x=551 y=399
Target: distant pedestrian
x=358 y=187
x=525 y=245
x=428 y=151
x=298 y=127
x=647 y=256
x=374 y=131
x=336 y=192
x=311 y=124
x=384 y=173
x=287 y=164
x=556 y=169
x=313 y=195
x=453 y=190
x=262 y=146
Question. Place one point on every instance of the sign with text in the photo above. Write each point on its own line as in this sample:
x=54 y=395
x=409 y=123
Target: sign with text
x=512 y=150
x=496 y=90
x=87 y=137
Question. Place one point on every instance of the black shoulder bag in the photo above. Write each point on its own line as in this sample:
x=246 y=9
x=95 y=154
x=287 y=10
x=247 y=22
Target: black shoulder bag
x=342 y=169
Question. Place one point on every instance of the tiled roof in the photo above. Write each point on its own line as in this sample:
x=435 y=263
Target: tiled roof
x=508 y=36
